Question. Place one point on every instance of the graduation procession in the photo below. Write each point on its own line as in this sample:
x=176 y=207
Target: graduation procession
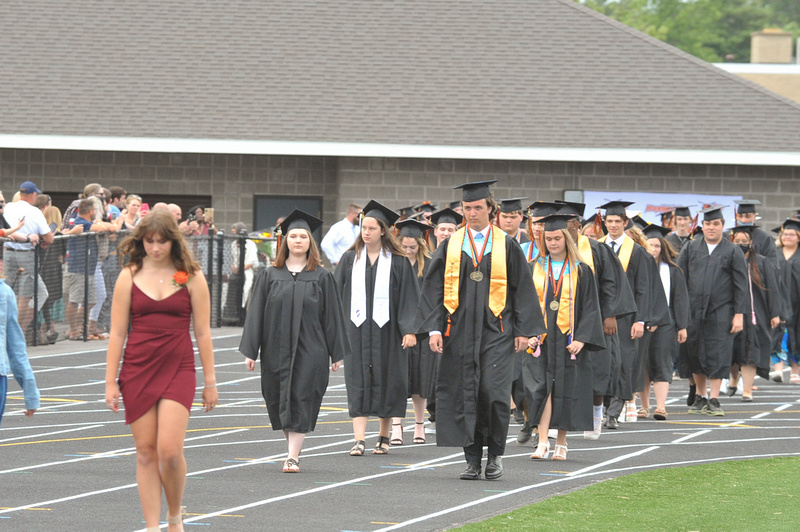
x=490 y=312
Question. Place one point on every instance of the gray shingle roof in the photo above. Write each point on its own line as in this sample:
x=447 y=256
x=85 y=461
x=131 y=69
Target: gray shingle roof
x=518 y=73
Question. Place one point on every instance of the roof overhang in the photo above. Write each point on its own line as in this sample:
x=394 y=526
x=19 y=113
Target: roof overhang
x=340 y=149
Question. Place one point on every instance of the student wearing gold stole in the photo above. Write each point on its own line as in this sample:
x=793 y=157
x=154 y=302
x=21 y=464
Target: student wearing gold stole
x=478 y=307
x=558 y=371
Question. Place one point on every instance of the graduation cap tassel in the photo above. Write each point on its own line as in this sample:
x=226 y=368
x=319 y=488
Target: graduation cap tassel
x=694 y=223
x=598 y=223
x=279 y=235
x=529 y=226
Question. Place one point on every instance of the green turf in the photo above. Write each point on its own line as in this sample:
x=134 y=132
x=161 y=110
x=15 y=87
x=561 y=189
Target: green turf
x=727 y=496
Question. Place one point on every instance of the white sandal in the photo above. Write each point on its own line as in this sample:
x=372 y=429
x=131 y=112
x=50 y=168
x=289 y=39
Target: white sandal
x=557 y=453
x=541 y=451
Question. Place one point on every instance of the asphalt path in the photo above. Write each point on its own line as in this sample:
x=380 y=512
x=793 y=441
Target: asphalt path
x=72 y=466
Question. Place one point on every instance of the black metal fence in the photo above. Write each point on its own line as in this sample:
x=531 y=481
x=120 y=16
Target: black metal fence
x=75 y=278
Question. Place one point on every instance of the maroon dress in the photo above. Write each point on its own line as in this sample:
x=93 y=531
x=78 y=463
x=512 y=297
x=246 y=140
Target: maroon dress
x=159 y=357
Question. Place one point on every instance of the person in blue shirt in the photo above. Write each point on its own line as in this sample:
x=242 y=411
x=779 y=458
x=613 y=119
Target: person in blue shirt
x=13 y=356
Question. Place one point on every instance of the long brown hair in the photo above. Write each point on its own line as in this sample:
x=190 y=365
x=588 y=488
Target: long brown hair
x=667 y=253
x=388 y=241
x=158 y=222
x=422 y=254
x=312 y=255
x=752 y=264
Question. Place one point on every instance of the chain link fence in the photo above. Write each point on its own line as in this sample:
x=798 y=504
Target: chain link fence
x=75 y=278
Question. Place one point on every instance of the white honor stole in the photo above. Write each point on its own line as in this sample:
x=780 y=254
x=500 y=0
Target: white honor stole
x=358 y=290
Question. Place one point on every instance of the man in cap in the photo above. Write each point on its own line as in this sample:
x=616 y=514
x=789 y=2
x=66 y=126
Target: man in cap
x=763 y=244
x=341 y=235
x=682 y=229
x=631 y=327
x=510 y=217
x=716 y=278
x=479 y=306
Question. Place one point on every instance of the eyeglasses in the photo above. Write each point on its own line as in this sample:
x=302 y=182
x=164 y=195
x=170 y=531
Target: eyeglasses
x=2 y=203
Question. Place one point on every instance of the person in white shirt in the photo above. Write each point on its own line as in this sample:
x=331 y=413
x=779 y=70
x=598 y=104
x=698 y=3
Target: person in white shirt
x=341 y=235
x=18 y=257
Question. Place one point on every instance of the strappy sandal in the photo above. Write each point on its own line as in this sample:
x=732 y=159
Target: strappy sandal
x=794 y=379
x=558 y=455
x=419 y=439
x=291 y=466
x=358 y=448
x=541 y=451
x=732 y=390
x=660 y=415
x=643 y=413
x=176 y=519
x=397 y=441
x=379 y=446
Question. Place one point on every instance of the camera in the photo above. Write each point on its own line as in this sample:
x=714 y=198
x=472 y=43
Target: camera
x=191 y=218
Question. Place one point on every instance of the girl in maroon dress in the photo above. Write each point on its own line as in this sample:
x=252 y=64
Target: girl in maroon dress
x=158 y=294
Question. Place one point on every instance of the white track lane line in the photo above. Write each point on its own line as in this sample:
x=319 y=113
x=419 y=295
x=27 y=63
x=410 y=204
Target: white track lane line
x=39 y=435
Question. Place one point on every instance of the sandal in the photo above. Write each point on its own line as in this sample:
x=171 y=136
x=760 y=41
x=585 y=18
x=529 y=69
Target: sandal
x=541 y=451
x=379 y=445
x=419 y=439
x=794 y=379
x=660 y=415
x=747 y=398
x=291 y=466
x=558 y=455
x=643 y=413
x=396 y=440
x=358 y=448
x=732 y=390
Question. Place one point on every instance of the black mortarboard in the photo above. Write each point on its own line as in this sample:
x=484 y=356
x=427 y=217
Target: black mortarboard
x=713 y=213
x=791 y=223
x=554 y=222
x=412 y=228
x=683 y=211
x=653 y=231
x=640 y=222
x=571 y=208
x=380 y=212
x=665 y=216
x=300 y=220
x=426 y=206
x=743 y=229
x=454 y=204
x=589 y=220
x=476 y=191
x=544 y=208
x=747 y=205
x=446 y=216
x=777 y=229
x=406 y=211
x=511 y=205
x=616 y=208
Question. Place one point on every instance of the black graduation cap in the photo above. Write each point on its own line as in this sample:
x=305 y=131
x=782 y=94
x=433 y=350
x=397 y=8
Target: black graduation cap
x=589 y=220
x=640 y=222
x=426 y=206
x=665 y=216
x=791 y=223
x=747 y=205
x=511 y=205
x=713 y=213
x=476 y=191
x=380 y=212
x=682 y=211
x=406 y=211
x=777 y=230
x=616 y=208
x=544 y=208
x=742 y=229
x=571 y=208
x=300 y=220
x=446 y=216
x=653 y=231
x=412 y=228
x=554 y=222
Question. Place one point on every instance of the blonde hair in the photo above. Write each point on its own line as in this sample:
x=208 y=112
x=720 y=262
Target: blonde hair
x=637 y=236
x=52 y=215
x=573 y=255
x=91 y=188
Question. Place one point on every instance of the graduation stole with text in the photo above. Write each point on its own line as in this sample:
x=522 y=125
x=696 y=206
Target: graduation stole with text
x=566 y=302
x=498 y=278
x=625 y=250
x=585 y=249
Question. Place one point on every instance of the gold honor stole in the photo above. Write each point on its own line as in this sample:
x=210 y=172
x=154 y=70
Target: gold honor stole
x=585 y=249
x=566 y=305
x=625 y=250
x=498 y=283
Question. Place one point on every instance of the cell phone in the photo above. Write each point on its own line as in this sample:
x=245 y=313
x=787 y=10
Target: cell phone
x=144 y=209
x=208 y=213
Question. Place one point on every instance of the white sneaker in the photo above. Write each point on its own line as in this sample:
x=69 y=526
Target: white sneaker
x=631 y=415
x=594 y=434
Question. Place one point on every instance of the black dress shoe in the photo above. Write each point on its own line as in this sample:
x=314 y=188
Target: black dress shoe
x=692 y=395
x=519 y=416
x=472 y=472
x=612 y=423
x=494 y=467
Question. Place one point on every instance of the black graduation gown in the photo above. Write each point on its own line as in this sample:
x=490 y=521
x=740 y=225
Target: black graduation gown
x=717 y=286
x=296 y=325
x=616 y=299
x=677 y=242
x=638 y=275
x=664 y=341
x=554 y=372
x=421 y=360
x=789 y=282
x=659 y=316
x=473 y=384
x=376 y=367
x=752 y=346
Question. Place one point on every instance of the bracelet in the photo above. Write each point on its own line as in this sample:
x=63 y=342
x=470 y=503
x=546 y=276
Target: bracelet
x=210 y=386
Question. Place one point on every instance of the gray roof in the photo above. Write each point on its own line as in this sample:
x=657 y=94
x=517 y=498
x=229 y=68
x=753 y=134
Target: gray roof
x=516 y=73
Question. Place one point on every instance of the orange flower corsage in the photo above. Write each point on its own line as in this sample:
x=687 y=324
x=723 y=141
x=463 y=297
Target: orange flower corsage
x=179 y=280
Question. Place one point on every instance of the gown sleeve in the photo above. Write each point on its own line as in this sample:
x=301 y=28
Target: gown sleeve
x=739 y=272
x=527 y=314
x=408 y=291
x=659 y=309
x=616 y=298
x=431 y=314
x=770 y=282
x=333 y=320
x=589 y=326
x=679 y=298
x=250 y=343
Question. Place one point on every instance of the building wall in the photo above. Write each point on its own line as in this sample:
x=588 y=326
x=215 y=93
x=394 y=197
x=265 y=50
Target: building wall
x=232 y=180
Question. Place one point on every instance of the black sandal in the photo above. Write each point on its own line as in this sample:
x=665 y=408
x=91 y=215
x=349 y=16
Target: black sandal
x=379 y=446
x=358 y=448
x=397 y=441
x=419 y=439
